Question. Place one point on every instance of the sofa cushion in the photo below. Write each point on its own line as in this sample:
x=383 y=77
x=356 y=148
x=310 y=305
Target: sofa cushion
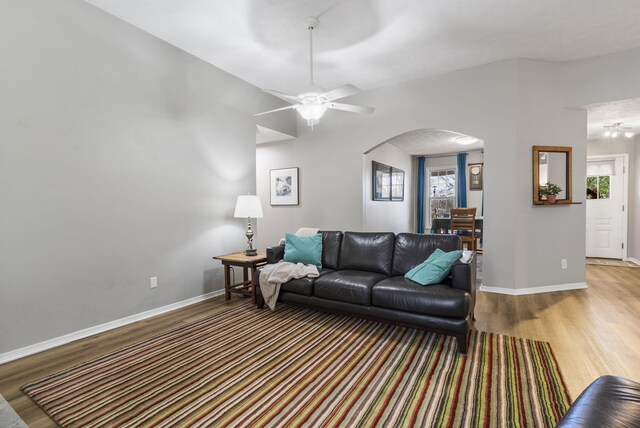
x=303 y=286
x=437 y=253
x=402 y=294
x=411 y=249
x=303 y=249
x=350 y=286
x=436 y=268
x=364 y=251
x=331 y=248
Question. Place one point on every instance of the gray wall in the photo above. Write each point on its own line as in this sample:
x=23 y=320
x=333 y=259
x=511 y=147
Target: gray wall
x=395 y=216
x=120 y=159
x=511 y=105
x=546 y=234
x=330 y=155
x=618 y=146
x=602 y=79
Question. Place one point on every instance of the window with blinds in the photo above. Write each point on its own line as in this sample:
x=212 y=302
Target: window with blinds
x=442 y=192
x=599 y=178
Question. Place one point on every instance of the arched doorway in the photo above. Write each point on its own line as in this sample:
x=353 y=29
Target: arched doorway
x=452 y=175
x=440 y=148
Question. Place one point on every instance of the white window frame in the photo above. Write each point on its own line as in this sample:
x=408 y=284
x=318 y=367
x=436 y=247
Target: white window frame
x=427 y=186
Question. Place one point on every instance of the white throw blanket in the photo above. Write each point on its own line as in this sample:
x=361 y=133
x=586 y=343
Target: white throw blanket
x=273 y=276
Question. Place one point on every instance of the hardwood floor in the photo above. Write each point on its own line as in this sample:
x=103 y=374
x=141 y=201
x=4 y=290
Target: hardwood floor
x=593 y=332
x=17 y=373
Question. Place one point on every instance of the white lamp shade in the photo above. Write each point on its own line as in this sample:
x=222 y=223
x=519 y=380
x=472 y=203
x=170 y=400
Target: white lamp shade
x=248 y=206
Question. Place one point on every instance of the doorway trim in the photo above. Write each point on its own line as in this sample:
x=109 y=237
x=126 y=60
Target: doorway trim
x=625 y=195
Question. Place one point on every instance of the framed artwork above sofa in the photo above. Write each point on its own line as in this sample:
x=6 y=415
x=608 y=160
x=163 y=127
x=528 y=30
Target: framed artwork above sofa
x=387 y=182
x=283 y=186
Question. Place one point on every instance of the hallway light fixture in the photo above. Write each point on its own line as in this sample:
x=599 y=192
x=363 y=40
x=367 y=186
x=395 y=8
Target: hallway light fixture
x=465 y=140
x=616 y=129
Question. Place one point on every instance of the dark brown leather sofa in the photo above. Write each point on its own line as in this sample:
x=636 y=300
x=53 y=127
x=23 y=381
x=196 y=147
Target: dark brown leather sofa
x=363 y=275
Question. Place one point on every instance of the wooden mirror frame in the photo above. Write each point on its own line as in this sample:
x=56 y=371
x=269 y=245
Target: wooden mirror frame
x=536 y=174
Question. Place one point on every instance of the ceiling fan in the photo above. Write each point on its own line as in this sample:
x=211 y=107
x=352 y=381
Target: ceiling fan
x=314 y=100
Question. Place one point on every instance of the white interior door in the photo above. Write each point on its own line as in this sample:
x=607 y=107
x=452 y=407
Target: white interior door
x=605 y=210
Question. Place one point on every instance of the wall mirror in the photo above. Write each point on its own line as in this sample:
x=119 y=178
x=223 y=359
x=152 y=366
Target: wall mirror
x=551 y=175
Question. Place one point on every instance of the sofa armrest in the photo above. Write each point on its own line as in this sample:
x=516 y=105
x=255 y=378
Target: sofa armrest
x=463 y=276
x=275 y=254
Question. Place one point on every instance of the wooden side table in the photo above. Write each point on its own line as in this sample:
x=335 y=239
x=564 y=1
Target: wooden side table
x=246 y=287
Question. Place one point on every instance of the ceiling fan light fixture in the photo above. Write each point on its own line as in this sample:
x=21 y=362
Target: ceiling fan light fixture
x=314 y=100
x=312 y=112
x=614 y=134
x=607 y=133
x=628 y=134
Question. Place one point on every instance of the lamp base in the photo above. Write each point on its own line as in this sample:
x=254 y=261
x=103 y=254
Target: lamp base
x=250 y=250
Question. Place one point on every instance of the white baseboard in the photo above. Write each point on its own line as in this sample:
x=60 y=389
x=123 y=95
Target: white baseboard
x=632 y=260
x=534 y=290
x=52 y=343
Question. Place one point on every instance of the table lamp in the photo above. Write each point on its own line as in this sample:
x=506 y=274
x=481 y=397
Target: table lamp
x=248 y=206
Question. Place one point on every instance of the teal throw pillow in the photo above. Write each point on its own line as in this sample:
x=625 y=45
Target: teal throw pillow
x=433 y=256
x=306 y=250
x=434 y=271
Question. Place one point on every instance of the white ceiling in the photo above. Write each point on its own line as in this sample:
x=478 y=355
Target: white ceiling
x=598 y=115
x=373 y=43
x=432 y=142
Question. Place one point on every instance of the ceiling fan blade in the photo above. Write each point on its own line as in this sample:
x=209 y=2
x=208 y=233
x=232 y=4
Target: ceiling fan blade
x=351 y=108
x=286 y=97
x=278 y=109
x=341 y=92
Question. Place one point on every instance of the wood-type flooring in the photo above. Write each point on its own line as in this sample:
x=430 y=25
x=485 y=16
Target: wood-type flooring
x=593 y=332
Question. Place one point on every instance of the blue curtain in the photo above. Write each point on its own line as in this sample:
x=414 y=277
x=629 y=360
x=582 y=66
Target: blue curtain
x=461 y=188
x=420 y=192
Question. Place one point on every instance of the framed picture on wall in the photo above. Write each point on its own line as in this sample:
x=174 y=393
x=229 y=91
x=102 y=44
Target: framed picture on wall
x=475 y=176
x=397 y=184
x=283 y=185
x=387 y=182
x=381 y=174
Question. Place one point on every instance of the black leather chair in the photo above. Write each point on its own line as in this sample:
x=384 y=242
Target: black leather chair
x=609 y=402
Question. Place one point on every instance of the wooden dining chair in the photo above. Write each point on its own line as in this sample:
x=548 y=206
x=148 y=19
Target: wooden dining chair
x=463 y=224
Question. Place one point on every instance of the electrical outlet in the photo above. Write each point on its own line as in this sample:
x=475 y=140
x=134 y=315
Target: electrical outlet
x=153 y=282
x=564 y=263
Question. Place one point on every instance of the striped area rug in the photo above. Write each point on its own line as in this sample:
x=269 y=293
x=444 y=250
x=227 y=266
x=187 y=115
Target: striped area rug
x=246 y=367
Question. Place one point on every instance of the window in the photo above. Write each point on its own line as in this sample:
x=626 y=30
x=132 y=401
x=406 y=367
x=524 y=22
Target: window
x=442 y=192
x=598 y=187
